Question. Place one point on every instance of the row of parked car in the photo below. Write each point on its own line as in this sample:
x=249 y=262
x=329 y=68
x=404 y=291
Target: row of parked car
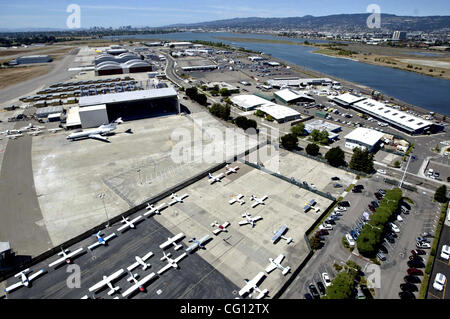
x=315 y=292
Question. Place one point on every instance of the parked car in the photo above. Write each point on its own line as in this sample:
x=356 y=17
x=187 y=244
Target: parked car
x=415 y=272
x=378 y=196
x=394 y=227
x=415 y=264
x=371 y=208
x=445 y=252
x=439 y=282
x=335 y=178
x=407 y=295
x=415 y=257
x=418 y=252
x=322 y=232
x=422 y=239
x=313 y=291
x=321 y=287
x=390 y=239
x=423 y=245
x=381 y=256
x=408 y=287
x=308 y=296
x=356 y=190
x=412 y=279
x=350 y=240
x=344 y=204
x=326 y=279
x=325 y=227
x=337 y=185
x=381 y=171
x=354 y=234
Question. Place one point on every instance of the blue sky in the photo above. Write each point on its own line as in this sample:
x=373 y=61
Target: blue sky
x=52 y=13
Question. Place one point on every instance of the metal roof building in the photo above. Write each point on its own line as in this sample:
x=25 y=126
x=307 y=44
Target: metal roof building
x=347 y=99
x=280 y=113
x=288 y=96
x=248 y=102
x=363 y=138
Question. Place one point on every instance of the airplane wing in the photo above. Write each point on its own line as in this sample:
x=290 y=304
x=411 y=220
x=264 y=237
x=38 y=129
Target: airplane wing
x=94 y=245
x=36 y=274
x=270 y=268
x=180 y=257
x=203 y=239
x=136 y=219
x=171 y=240
x=192 y=247
x=255 y=204
x=123 y=227
x=74 y=253
x=98 y=137
x=138 y=284
x=255 y=219
x=251 y=284
x=57 y=262
x=244 y=222
x=13 y=287
x=165 y=268
x=279 y=259
x=173 y=202
x=104 y=282
x=147 y=256
x=109 y=237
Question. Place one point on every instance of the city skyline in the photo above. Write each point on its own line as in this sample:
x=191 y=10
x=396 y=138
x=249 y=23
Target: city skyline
x=139 y=13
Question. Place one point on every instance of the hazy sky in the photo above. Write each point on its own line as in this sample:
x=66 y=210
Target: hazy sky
x=52 y=13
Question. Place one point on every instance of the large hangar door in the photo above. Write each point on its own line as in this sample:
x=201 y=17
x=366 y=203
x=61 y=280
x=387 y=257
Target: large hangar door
x=136 y=110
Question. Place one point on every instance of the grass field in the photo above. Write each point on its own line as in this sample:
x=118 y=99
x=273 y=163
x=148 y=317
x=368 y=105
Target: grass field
x=12 y=76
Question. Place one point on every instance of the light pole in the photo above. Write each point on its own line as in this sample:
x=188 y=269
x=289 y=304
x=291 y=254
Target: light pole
x=406 y=169
x=102 y=197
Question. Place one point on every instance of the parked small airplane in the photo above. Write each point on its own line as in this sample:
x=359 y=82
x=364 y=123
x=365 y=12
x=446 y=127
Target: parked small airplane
x=171 y=263
x=279 y=234
x=249 y=220
x=128 y=224
x=97 y=133
x=65 y=257
x=100 y=240
x=231 y=169
x=24 y=279
x=15 y=136
x=154 y=210
x=258 y=201
x=11 y=132
x=172 y=241
x=177 y=199
x=197 y=243
x=274 y=264
x=35 y=133
x=220 y=228
x=237 y=198
x=107 y=281
x=54 y=130
x=213 y=179
x=137 y=284
x=253 y=285
x=140 y=261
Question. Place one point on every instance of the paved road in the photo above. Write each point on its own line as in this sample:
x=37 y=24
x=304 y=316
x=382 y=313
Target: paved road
x=194 y=279
x=57 y=74
x=21 y=217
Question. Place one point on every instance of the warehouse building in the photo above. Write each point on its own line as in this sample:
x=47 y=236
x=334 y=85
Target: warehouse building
x=46 y=111
x=332 y=129
x=347 y=99
x=30 y=59
x=364 y=138
x=131 y=66
x=399 y=119
x=121 y=58
x=288 y=96
x=248 y=102
x=99 y=109
x=280 y=113
x=199 y=68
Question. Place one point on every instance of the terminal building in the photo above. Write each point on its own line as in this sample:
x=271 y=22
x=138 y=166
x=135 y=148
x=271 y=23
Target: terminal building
x=364 y=138
x=100 y=109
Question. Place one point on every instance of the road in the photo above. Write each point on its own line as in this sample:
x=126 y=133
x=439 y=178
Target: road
x=57 y=74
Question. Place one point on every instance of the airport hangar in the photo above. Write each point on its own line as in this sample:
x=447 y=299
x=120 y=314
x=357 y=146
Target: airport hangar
x=100 y=109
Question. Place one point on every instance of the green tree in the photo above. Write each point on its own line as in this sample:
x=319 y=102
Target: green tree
x=362 y=160
x=245 y=123
x=220 y=111
x=312 y=149
x=225 y=92
x=259 y=113
x=441 y=194
x=289 y=141
x=298 y=130
x=342 y=287
x=335 y=157
x=315 y=242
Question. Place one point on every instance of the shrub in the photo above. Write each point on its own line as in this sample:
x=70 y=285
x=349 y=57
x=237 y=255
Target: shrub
x=441 y=194
x=289 y=141
x=335 y=157
x=312 y=149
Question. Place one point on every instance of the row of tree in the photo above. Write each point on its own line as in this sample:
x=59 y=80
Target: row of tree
x=371 y=236
x=198 y=97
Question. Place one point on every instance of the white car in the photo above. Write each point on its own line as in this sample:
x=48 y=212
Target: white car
x=325 y=226
x=394 y=228
x=399 y=218
x=340 y=209
x=439 y=282
x=381 y=171
x=350 y=240
x=423 y=245
x=445 y=252
x=326 y=279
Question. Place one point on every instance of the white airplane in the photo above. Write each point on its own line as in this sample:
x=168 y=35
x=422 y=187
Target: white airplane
x=172 y=241
x=128 y=224
x=140 y=261
x=231 y=169
x=107 y=282
x=13 y=137
x=35 y=133
x=171 y=263
x=253 y=285
x=97 y=133
x=258 y=201
x=154 y=210
x=279 y=234
x=65 y=257
x=276 y=263
x=197 y=243
x=10 y=132
x=213 y=179
x=220 y=228
x=24 y=279
x=100 y=240
x=137 y=284
x=31 y=127
x=237 y=198
x=249 y=220
x=177 y=199
x=54 y=130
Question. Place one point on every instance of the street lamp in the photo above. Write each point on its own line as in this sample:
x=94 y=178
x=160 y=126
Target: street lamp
x=139 y=172
x=102 y=197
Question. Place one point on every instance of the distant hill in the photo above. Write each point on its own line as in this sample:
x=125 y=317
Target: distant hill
x=338 y=22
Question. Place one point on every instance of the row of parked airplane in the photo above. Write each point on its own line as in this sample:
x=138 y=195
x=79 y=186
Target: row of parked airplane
x=218 y=178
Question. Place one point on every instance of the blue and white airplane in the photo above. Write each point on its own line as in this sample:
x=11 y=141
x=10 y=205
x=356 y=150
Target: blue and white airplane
x=101 y=240
x=279 y=234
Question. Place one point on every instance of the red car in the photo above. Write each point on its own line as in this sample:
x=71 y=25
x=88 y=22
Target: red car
x=418 y=252
x=415 y=272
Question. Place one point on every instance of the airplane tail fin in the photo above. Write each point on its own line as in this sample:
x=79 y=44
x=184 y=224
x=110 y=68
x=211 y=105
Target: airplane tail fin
x=118 y=121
